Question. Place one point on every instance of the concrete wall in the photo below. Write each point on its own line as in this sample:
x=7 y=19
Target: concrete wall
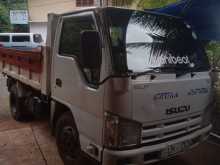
x=38 y=9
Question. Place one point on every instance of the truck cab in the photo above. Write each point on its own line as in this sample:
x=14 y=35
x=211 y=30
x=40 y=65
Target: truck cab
x=137 y=84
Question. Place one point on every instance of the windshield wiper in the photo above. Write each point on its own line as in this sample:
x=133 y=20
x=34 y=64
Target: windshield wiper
x=158 y=69
x=134 y=75
x=180 y=71
x=185 y=70
x=150 y=72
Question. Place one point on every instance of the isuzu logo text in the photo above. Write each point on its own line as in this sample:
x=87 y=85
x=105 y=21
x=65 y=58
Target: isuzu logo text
x=176 y=110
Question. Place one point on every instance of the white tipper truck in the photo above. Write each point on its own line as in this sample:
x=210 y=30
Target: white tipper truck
x=122 y=86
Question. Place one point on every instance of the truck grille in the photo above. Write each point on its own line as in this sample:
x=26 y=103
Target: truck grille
x=168 y=130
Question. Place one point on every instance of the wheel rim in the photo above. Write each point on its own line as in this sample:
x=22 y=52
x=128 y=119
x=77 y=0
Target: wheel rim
x=69 y=143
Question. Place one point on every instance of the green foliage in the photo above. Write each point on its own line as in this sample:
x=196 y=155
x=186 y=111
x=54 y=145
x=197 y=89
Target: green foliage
x=123 y=2
x=5 y=7
x=17 y=4
x=143 y=4
x=213 y=52
x=4 y=19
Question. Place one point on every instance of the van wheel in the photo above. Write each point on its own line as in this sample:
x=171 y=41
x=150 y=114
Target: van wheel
x=17 y=107
x=67 y=139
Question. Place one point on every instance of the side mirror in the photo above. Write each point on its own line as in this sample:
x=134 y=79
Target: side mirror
x=90 y=49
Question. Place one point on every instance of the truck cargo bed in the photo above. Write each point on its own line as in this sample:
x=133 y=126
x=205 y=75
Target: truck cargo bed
x=24 y=66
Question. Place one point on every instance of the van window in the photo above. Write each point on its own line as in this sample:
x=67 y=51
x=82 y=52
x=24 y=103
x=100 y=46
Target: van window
x=4 y=38
x=21 y=38
x=37 y=38
x=70 y=35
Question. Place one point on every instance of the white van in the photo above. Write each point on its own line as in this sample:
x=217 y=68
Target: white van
x=20 y=40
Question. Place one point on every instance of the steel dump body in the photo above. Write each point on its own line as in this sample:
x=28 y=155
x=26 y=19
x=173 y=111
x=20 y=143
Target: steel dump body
x=31 y=67
x=25 y=66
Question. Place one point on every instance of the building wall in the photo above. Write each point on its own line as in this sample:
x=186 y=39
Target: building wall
x=39 y=9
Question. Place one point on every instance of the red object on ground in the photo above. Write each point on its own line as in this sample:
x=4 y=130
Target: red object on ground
x=30 y=60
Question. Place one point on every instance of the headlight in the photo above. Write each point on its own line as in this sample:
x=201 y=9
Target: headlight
x=207 y=114
x=121 y=133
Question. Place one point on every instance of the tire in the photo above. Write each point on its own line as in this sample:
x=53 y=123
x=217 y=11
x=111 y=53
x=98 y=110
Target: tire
x=67 y=139
x=17 y=106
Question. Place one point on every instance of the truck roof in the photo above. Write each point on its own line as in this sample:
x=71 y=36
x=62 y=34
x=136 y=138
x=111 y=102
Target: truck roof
x=118 y=8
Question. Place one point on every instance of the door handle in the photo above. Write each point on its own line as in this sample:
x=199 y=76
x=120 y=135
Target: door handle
x=58 y=82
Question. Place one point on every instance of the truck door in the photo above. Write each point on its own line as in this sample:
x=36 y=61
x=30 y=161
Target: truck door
x=72 y=84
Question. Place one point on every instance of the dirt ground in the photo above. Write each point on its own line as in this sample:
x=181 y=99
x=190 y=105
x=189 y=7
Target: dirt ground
x=27 y=143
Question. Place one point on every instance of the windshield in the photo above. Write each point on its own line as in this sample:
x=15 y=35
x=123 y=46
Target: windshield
x=143 y=41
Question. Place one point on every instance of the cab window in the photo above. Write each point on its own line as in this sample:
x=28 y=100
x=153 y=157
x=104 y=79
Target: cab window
x=70 y=45
x=70 y=35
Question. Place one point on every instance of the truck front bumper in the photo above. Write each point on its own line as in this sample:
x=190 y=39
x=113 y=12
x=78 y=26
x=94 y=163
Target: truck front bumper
x=152 y=153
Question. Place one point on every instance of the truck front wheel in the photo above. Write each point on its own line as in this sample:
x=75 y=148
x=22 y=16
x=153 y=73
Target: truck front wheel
x=67 y=139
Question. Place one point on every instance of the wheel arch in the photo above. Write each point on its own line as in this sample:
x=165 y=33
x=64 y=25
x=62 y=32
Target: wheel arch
x=57 y=109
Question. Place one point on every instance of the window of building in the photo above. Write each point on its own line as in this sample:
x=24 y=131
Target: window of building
x=81 y=3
